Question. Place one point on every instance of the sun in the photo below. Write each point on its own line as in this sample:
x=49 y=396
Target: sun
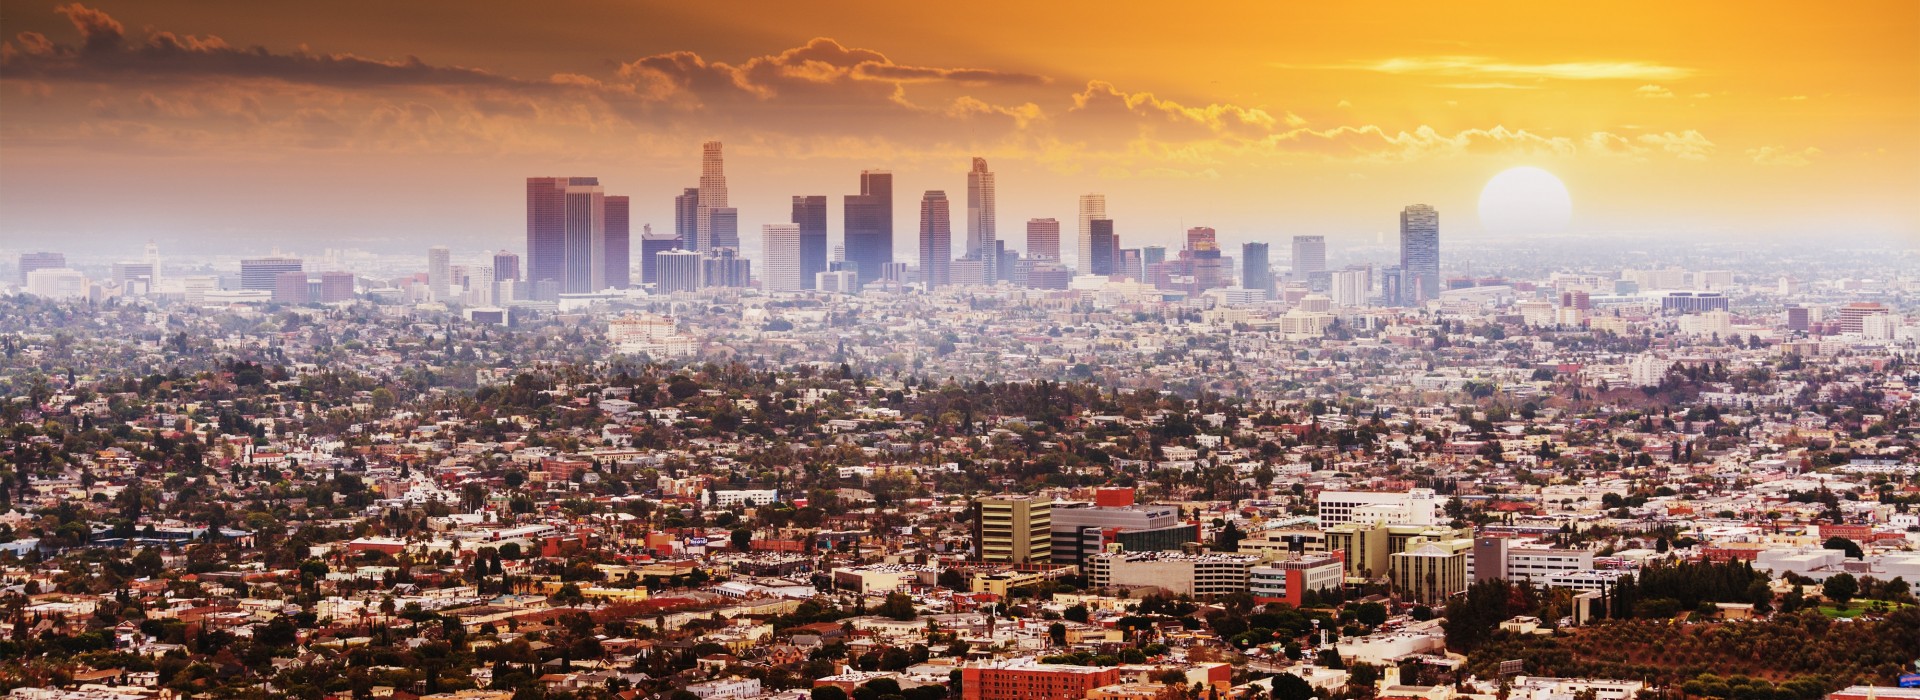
x=1525 y=200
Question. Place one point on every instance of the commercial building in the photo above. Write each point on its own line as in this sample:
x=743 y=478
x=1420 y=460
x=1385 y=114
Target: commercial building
x=1288 y=580
x=810 y=214
x=1420 y=254
x=440 y=273
x=781 y=261
x=1175 y=573
x=868 y=232
x=936 y=240
x=53 y=261
x=1103 y=248
x=1092 y=206
x=1083 y=529
x=713 y=196
x=56 y=283
x=982 y=236
x=1502 y=558
x=1013 y=529
x=1430 y=570
x=263 y=274
x=1256 y=271
x=651 y=246
x=1414 y=507
x=1309 y=256
x=1043 y=239
x=616 y=261
x=679 y=271
x=1023 y=679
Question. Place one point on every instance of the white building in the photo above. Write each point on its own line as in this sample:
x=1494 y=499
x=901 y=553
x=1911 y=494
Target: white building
x=440 y=272
x=781 y=243
x=1537 y=688
x=745 y=497
x=1191 y=574
x=1647 y=369
x=1412 y=507
x=57 y=283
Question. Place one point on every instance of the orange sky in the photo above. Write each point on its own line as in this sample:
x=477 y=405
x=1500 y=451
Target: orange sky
x=409 y=124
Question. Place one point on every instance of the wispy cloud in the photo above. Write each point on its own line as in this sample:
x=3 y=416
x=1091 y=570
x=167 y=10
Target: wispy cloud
x=1494 y=68
x=1487 y=86
x=1654 y=92
x=1778 y=155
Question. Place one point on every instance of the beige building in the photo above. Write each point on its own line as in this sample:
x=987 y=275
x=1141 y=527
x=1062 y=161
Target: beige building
x=1013 y=529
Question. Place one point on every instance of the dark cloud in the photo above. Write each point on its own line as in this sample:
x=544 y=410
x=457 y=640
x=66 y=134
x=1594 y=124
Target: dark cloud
x=106 y=54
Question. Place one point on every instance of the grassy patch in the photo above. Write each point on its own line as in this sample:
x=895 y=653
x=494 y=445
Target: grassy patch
x=1857 y=608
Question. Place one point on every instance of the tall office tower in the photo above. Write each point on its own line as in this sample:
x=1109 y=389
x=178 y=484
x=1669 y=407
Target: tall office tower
x=783 y=257
x=1200 y=238
x=686 y=218
x=1352 y=286
x=1853 y=317
x=1393 y=286
x=981 y=233
x=724 y=226
x=290 y=287
x=583 y=240
x=1153 y=255
x=1013 y=529
x=617 y=270
x=546 y=228
x=936 y=240
x=839 y=256
x=439 y=272
x=869 y=225
x=335 y=286
x=124 y=272
x=810 y=213
x=40 y=261
x=1101 y=253
x=152 y=257
x=480 y=286
x=1420 y=253
x=263 y=273
x=677 y=271
x=1309 y=256
x=1799 y=318
x=506 y=266
x=1043 y=239
x=651 y=246
x=713 y=195
x=1255 y=272
x=1092 y=206
x=1128 y=264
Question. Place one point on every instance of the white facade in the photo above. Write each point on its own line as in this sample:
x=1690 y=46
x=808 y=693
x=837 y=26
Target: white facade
x=781 y=243
x=739 y=497
x=57 y=283
x=1412 y=507
x=1351 y=288
x=1647 y=369
x=440 y=272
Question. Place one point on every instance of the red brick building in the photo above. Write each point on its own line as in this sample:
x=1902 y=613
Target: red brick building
x=1032 y=681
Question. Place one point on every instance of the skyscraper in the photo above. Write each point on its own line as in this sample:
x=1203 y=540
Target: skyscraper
x=651 y=246
x=1309 y=256
x=869 y=225
x=981 y=233
x=1092 y=206
x=546 y=228
x=1255 y=272
x=583 y=237
x=506 y=266
x=1420 y=253
x=1153 y=255
x=439 y=272
x=810 y=213
x=686 y=218
x=724 y=227
x=617 y=270
x=1043 y=239
x=783 y=265
x=335 y=286
x=40 y=261
x=290 y=287
x=1101 y=254
x=713 y=195
x=936 y=240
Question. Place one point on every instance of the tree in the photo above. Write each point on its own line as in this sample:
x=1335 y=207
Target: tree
x=1287 y=686
x=742 y=539
x=1228 y=539
x=1076 y=613
x=1840 y=588
x=1846 y=545
x=1058 y=632
x=899 y=606
x=1370 y=614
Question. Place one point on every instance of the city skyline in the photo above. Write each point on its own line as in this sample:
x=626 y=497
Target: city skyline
x=1271 y=139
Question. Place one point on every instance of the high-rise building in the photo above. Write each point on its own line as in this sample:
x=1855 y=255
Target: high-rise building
x=264 y=273
x=723 y=267
x=810 y=214
x=981 y=234
x=869 y=225
x=1202 y=238
x=1799 y=318
x=1255 y=270
x=1092 y=206
x=724 y=226
x=677 y=270
x=651 y=246
x=686 y=218
x=1853 y=316
x=57 y=283
x=1102 y=252
x=1420 y=253
x=584 y=237
x=782 y=259
x=1043 y=239
x=617 y=270
x=1013 y=529
x=1128 y=265
x=1352 y=286
x=479 y=286
x=506 y=266
x=439 y=272
x=335 y=286
x=936 y=240
x=290 y=287
x=1309 y=256
x=713 y=195
x=546 y=228
x=40 y=261
x=1153 y=255
x=124 y=272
